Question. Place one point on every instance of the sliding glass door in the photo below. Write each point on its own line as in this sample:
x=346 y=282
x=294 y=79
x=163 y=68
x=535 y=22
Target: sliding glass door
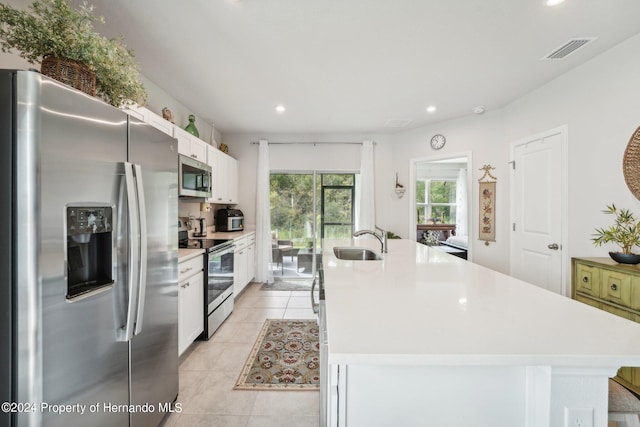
x=306 y=207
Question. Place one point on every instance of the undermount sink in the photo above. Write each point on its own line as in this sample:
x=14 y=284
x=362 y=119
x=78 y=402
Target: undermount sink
x=353 y=253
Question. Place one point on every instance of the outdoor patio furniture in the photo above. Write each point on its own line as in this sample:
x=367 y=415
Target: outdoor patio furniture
x=305 y=260
x=287 y=248
x=276 y=255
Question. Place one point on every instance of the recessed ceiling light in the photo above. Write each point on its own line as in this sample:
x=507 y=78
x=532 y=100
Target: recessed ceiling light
x=478 y=110
x=554 y=2
x=431 y=109
x=280 y=108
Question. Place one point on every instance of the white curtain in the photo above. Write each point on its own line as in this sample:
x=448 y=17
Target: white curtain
x=461 y=203
x=365 y=200
x=263 y=217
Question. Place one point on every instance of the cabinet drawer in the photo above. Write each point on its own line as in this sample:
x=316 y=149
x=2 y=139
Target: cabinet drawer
x=616 y=287
x=587 y=280
x=240 y=243
x=188 y=268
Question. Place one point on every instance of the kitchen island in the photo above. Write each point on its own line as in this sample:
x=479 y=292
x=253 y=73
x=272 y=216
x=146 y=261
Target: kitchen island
x=422 y=337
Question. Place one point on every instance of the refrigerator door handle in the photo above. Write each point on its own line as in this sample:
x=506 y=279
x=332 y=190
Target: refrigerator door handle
x=133 y=249
x=142 y=259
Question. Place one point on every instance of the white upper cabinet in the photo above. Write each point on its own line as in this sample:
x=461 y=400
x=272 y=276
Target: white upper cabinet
x=189 y=145
x=152 y=118
x=224 y=182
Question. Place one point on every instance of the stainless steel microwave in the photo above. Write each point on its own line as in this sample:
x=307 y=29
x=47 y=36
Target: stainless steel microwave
x=194 y=178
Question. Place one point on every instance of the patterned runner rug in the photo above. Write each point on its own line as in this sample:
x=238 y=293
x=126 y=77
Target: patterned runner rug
x=286 y=356
x=291 y=284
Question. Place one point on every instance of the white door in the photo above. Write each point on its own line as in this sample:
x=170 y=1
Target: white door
x=537 y=210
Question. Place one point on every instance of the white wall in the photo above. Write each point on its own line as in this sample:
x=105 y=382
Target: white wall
x=600 y=104
x=597 y=101
x=482 y=136
x=157 y=99
x=322 y=157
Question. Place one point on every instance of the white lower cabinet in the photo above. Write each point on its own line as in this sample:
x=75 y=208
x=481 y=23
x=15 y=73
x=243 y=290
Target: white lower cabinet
x=251 y=257
x=190 y=301
x=243 y=262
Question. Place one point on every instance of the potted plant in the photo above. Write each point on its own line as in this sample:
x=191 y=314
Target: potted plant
x=625 y=232
x=64 y=41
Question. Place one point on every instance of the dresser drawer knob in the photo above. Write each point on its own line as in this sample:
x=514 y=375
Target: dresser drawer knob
x=614 y=287
x=585 y=279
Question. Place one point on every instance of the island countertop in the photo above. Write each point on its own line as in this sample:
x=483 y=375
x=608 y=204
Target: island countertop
x=422 y=306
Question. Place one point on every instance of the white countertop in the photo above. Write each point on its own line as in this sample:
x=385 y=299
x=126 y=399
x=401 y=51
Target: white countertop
x=423 y=306
x=185 y=254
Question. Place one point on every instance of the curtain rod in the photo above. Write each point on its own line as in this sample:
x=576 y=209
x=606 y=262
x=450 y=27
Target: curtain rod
x=310 y=143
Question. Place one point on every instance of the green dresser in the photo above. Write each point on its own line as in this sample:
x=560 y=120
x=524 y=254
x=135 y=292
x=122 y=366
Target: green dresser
x=612 y=287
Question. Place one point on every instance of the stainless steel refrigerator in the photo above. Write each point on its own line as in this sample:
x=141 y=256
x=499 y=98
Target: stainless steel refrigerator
x=88 y=272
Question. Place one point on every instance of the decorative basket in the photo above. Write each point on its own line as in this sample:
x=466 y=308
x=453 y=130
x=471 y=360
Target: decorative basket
x=631 y=164
x=70 y=72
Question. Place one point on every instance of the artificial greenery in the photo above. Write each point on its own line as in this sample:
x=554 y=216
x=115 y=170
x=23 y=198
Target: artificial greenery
x=624 y=233
x=392 y=235
x=53 y=28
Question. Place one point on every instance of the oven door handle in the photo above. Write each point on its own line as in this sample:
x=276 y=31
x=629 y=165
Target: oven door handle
x=223 y=251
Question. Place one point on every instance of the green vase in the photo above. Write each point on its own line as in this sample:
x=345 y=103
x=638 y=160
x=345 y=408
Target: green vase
x=191 y=127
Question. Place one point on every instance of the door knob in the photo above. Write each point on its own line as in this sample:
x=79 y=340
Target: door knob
x=553 y=246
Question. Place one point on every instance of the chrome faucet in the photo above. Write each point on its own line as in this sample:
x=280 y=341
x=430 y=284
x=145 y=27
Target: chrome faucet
x=382 y=237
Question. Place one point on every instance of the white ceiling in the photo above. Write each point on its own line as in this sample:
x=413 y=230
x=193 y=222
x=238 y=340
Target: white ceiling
x=352 y=65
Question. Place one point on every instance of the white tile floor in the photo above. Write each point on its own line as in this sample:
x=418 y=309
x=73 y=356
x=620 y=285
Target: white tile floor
x=209 y=370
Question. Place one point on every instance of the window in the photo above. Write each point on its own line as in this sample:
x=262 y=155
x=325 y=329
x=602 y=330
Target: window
x=436 y=201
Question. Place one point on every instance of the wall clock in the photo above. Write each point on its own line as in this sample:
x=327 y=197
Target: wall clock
x=438 y=141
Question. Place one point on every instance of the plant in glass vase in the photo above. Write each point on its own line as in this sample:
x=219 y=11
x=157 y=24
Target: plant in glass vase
x=625 y=232
x=64 y=41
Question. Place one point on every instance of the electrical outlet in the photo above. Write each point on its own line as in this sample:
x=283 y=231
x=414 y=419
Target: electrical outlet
x=578 y=417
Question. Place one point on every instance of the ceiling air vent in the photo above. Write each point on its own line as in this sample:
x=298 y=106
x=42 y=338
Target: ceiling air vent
x=568 y=48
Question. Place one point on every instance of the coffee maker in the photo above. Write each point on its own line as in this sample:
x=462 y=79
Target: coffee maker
x=203 y=228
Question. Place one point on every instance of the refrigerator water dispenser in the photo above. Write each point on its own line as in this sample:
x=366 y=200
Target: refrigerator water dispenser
x=89 y=249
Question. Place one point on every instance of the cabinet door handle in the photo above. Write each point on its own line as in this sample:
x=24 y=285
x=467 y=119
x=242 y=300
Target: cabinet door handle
x=614 y=287
x=184 y=271
x=585 y=279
